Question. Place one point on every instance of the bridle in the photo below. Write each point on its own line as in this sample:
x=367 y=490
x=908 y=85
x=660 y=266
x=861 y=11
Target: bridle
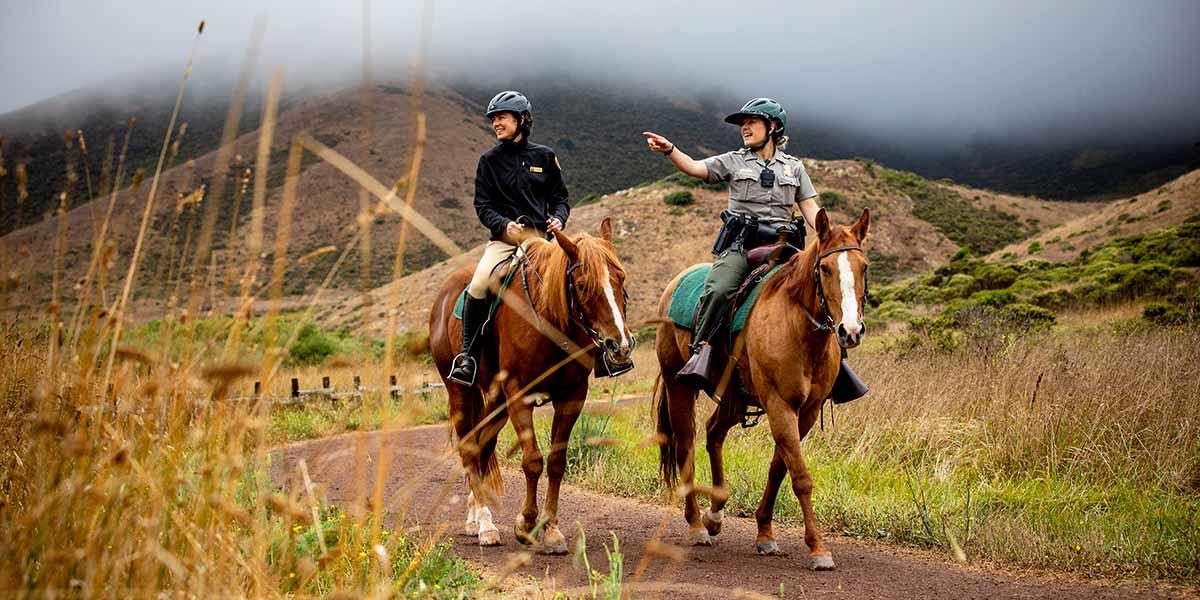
x=828 y=324
x=574 y=310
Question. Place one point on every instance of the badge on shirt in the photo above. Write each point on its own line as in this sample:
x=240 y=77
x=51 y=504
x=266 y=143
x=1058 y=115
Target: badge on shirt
x=533 y=169
x=787 y=171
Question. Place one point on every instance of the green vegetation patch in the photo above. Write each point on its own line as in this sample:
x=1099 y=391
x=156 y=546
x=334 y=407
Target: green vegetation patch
x=688 y=181
x=680 y=198
x=983 y=230
x=1151 y=265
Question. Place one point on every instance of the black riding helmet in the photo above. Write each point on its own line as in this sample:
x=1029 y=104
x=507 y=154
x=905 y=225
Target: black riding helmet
x=765 y=108
x=510 y=101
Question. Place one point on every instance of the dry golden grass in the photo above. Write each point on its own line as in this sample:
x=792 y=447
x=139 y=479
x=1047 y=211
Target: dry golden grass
x=141 y=470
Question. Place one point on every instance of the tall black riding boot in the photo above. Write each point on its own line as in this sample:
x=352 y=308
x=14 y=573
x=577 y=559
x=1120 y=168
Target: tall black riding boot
x=847 y=386
x=475 y=312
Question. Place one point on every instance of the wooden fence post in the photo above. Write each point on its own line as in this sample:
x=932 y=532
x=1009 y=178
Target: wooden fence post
x=257 y=389
x=395 y=391
x=295 y=389
x=357 y=383
x=325 y=382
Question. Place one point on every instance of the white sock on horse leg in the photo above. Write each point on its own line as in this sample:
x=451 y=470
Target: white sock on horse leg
x=471 y=509
x=484 y=515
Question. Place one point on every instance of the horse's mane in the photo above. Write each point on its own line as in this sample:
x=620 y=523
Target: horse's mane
x=794 y=273
x=549 y=261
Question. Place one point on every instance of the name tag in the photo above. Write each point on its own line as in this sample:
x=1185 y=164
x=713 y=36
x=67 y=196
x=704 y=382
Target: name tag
x=535 y=169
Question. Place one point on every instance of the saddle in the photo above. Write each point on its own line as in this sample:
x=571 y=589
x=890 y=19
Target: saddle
x=764 y=262
x=501 y=277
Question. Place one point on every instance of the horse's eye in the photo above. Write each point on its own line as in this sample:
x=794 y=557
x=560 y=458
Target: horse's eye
x=825 y=270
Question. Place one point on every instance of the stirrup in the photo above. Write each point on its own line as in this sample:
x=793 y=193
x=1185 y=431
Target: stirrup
x=847 y=386
x=463 y=369
x=699 y=370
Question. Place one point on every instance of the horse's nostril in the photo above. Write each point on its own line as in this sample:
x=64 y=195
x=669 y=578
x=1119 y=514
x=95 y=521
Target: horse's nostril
x=611 y=346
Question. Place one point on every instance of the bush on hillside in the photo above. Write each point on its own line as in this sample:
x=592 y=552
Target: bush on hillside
x=1169 y=315
x=678 y=178
x=982 y=229
x=681 y=198
x=312 y=346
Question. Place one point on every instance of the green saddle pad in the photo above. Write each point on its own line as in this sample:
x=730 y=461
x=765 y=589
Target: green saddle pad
x=687 y=295
x=462 y=298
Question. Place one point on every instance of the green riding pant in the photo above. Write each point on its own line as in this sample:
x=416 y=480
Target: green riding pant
x=728 y=271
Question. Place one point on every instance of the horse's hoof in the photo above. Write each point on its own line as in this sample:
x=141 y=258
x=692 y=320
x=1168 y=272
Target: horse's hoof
x=699 y=537
x=712 y=522
x=489 y=537
x=553 y=542
x=523 y=532
x=769 y=548
x=471 y=528
x=821 y=562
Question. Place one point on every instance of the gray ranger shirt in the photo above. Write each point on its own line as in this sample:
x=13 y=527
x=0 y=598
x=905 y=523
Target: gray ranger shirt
x=741 y=168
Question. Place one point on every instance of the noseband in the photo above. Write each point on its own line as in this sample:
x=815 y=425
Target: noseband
x=828 y=324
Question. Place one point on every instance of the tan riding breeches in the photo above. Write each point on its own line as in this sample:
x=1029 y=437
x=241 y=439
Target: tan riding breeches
x=494 y=253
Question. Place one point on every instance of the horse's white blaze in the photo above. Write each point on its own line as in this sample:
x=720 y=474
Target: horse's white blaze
x=849 y=299
x=612 y=303
x=718 y=516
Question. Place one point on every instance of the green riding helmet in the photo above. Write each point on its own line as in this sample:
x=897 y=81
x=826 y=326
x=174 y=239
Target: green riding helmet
x=761 y=107
x=509 y=101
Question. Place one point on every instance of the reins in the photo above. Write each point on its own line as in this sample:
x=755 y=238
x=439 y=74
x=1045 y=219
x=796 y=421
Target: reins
x=574 y=311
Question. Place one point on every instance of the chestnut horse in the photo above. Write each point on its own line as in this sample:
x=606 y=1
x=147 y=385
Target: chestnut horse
x=787 y=357
x=567 y=305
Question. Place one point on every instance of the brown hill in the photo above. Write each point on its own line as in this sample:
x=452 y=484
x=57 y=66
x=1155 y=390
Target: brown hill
x=327 y=200
x=1166 y=206
x=656 y=241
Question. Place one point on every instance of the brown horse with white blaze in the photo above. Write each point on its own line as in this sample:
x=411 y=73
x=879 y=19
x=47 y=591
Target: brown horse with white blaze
x=564 y=309
x=786 y=357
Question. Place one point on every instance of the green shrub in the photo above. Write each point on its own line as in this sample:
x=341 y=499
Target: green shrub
x=993 y=298
x=678 y=178
x=1164 y=314
x=312 y=346
x=681 y=198
x=1034 y=248
x=996 y=277
x=833 y=201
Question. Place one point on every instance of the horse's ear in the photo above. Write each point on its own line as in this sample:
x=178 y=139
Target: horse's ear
x=822 y=225
x=606 y=229
x=567 y=245
x=860 y=227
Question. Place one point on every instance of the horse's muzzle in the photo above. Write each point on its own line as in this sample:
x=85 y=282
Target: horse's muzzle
x=850 y=339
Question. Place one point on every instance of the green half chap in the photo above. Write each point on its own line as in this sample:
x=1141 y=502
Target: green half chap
x=687 y=295
x=458 y=304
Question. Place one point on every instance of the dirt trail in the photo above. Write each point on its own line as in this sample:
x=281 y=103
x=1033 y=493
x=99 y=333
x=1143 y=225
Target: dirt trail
x=422 y=488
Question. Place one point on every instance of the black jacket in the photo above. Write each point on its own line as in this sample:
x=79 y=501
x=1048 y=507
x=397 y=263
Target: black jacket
x=515 y=180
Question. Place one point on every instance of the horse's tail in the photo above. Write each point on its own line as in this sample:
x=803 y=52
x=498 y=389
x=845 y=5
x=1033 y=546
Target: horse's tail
x=667 y=460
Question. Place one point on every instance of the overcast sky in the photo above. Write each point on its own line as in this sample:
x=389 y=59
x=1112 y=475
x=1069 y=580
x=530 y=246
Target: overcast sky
x=929 y=68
